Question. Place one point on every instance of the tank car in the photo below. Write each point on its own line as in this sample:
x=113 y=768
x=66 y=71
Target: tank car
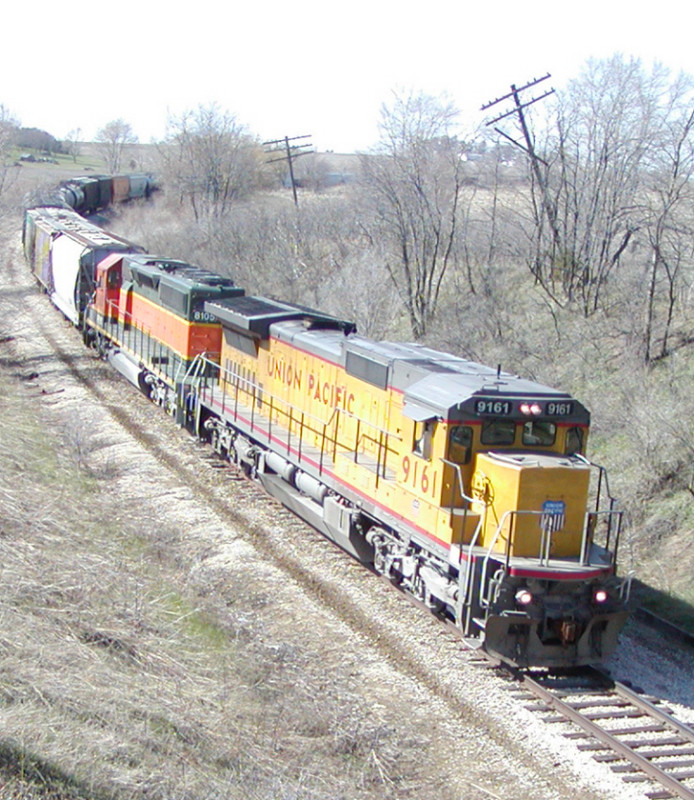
x=466 y=486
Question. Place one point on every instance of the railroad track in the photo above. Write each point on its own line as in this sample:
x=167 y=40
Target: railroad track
x=663 y=753
x=636 y=736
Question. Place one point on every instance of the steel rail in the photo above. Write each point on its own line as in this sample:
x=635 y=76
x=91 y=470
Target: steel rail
x=684 y=730
x=671 y=784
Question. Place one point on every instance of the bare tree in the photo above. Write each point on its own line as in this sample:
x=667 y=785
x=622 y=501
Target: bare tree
x=8 y=130
x=670 y=232
x=414 y=180
x=209 y=160
x=605 y=137
x=112 y=139
x=73 y=143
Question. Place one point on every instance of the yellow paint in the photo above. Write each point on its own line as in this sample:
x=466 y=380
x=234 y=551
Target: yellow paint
x=362 y=437
x=511 y=482
x=359 y=428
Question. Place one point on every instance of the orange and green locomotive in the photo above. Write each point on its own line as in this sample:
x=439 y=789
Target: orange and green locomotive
x=146 y=315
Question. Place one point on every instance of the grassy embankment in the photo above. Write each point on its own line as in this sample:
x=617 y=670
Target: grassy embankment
x=121 y=673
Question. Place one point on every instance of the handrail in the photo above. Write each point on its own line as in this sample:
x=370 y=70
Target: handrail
x=613 y=516
x=602 y=469
x=335 y=411
x=588 y=529
x=612 y=503
x=545 y=542
x=113 y=321
x=463 y=598
x=327 y=431
x=459 y=475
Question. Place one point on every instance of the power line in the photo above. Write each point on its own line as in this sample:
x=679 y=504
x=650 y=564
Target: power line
x=529 y=147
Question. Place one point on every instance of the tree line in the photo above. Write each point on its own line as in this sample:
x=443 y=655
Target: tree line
x=572 y=264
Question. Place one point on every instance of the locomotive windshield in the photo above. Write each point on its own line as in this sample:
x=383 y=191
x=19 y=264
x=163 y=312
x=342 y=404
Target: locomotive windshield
x=498 y=431
x=460 y=444
x=535 y=432
x=538 y=432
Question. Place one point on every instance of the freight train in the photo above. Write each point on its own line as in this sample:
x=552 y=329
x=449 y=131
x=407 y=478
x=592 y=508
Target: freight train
x=466 y=486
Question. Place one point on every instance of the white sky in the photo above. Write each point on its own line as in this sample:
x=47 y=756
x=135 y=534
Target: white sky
x=307 y=67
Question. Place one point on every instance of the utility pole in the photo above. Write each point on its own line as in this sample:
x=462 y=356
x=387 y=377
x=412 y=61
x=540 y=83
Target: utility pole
x=528 y=147
x=292 y=152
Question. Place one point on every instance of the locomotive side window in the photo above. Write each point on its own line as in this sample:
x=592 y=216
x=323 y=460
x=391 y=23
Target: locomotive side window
x=574 y=441
x=460 y=445
x=537 y=432
x=498 y=431
x=423 y=433
x=113 y=279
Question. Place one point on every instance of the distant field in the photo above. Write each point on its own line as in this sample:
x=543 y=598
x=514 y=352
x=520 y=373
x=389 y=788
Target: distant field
x=139 y=157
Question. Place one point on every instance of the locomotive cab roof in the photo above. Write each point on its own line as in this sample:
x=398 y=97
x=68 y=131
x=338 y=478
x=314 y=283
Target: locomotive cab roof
x=444 y=386
x=149 y=269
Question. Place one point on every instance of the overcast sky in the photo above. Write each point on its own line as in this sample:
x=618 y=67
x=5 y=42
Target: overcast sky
x=306 y=67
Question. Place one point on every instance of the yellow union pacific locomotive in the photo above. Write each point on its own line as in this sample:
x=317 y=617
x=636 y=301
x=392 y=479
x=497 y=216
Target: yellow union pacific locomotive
x=466 y=486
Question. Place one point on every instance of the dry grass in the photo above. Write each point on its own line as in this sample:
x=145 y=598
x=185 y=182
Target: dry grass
x=122 y=674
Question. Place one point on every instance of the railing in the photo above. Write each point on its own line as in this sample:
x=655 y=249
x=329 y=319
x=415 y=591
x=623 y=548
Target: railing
x=543 y=556
x=466 y=583
x=136 y=339
x=611 y=516
x=459 y=475
x=368 y=438
x=603 y=479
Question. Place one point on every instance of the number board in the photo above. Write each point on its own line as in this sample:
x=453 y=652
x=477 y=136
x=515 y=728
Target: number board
x=493 y=407
x=559 y=408
x=203 y=316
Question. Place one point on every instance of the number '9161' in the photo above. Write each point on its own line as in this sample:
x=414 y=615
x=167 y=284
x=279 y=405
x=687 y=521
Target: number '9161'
x=498 y=408
x=559 y=409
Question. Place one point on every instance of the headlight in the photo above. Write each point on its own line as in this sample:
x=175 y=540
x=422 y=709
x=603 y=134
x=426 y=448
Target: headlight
x=600 y=596
x=523 y=597
x=530 y=409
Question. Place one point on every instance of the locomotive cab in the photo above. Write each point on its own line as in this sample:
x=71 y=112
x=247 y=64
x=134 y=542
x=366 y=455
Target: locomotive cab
x=108 y=283
x=539 y=586
x=533 y=531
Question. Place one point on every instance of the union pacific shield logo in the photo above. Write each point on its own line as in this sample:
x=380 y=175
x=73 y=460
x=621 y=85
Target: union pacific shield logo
x=553 y=515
